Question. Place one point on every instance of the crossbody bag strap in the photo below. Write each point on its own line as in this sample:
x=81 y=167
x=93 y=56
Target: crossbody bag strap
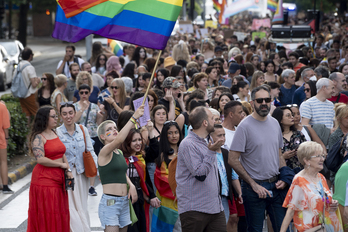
x=89 y=110
x=84 y=137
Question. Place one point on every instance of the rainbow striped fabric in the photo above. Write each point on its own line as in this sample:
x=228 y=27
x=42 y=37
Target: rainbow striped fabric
x=147 y=23
x=116 y=47
x=272 y=5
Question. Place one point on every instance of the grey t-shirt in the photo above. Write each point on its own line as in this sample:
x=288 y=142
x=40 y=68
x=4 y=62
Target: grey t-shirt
x=70 y=89
x=259 y=143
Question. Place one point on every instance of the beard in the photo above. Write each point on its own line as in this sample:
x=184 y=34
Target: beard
x=263 y=110
x=210 y=128
x=73 y=76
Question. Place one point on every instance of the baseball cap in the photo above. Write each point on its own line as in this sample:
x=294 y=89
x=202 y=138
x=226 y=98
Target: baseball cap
x=233 y=68
x=171 y=82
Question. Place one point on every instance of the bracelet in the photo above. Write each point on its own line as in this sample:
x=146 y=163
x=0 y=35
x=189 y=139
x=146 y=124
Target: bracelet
x=133 y=121
x=134 y=118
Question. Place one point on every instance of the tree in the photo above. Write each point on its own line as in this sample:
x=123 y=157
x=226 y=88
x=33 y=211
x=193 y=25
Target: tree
x=322 y=5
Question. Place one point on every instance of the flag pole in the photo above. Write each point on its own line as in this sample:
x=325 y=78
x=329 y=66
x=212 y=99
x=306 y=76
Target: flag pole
x=153 y=73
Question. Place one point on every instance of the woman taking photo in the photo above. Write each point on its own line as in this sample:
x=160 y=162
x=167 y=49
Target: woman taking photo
x=309 y=199
x=133 y=152
x=240 y=91
x=58 y=96
x=100 y=66
x=292 y=138
x=70 y=133
x=46 y=90
x=86 y=78
x=223 y=99
x=169 y=142
x=113 y=209
x=47 y=180
x=212 y=77
x=117 y=101
x=269 y=74
x=257 y=80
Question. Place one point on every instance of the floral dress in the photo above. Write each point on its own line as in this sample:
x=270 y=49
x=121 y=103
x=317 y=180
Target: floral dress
x=305 y=198
x=92 y=118
x=296 y=139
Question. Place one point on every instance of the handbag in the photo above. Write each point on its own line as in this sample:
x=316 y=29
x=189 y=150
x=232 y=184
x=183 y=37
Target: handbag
x=88 y=161
x=133 y=216
x=334 y=159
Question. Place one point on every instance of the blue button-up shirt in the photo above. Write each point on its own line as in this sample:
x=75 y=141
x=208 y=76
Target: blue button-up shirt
x=75 y=146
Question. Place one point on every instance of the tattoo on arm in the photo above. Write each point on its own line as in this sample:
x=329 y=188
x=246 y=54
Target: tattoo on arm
x=38 y=147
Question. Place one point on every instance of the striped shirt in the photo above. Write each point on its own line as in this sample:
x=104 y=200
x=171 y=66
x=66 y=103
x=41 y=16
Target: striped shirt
x=195 y=161
x=318 y=112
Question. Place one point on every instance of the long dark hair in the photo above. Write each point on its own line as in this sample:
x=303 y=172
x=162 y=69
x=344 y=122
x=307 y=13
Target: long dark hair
x=164 y=146
x=278 y=114
x=175 y=70
x=128 y=71
x=40 y=123
x=165 y=73
x=136 y=55
x=125 y=146
x=240 y=84
x=50 y=82
x=224 y=94
x=97 y=64
x=313 y=87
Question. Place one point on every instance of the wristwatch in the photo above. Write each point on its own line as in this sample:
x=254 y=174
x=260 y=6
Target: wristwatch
x=68 y=170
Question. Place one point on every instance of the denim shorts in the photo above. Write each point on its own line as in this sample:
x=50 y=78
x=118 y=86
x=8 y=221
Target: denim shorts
x=114 y=215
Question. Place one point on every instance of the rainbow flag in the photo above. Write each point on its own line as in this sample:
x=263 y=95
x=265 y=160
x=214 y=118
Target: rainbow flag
x=73 y=7
x=217 y=5
x=116 y=47
x=147 y=23
x=220 y=9
x=278 y=17
x=272 y=5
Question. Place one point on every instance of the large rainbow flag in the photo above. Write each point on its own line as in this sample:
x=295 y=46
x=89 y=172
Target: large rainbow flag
x=147 y=23
x=278 y=16
x=272 y=5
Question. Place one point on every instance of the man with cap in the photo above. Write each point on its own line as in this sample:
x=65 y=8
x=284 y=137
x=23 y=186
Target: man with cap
x=169 y=62
x=218 y=52
x=233 y=70
x=172 y=92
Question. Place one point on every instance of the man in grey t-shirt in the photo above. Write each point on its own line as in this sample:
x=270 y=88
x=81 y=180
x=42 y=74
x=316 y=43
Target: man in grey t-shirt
x=255 y=154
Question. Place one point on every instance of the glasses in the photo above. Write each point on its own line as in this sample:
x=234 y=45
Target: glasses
x=289 y=115
x=84 y=92
x=292 y=105
x=114 y=87
x=260 y=100
x=54 y=116
x=43 y=78
x=307 y=89
x=319 y=156
x=69 y=103
x=171 y=122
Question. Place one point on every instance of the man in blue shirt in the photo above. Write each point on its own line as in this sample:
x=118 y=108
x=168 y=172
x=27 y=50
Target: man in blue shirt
x=287 y=89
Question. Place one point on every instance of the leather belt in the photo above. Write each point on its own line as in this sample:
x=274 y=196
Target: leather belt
x=270 y=180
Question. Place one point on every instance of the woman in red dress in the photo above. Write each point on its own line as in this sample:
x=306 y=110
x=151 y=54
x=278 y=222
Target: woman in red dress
x=48 y=199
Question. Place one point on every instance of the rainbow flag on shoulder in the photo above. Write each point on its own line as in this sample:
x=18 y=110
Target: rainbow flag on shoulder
x=147 y=23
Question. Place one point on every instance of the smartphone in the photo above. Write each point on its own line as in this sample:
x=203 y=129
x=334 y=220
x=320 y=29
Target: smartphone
x=103 y=95
x=179 y=95
x=295 y=146
x=110 y=202
x=271 y=192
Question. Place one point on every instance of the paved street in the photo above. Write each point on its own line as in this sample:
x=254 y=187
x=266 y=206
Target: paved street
x=14 y=208
x=47 y=53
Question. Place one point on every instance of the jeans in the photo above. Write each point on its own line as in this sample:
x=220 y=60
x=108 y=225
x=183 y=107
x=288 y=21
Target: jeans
x=255 y=207
x=224 y=201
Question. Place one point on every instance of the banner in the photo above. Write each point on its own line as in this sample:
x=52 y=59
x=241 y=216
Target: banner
x=257 y=23
x=258 y=34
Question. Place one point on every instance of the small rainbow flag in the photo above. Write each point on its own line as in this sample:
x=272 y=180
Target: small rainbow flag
x=272 y=5
x=278 y=16
x=217 y=5
x=220 y=8
x=147 y=23
x=116 y=47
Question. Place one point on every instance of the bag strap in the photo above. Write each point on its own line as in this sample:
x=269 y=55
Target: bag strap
x=21 y=70
x=338 y=98
x=89 y=110
x=84 y=137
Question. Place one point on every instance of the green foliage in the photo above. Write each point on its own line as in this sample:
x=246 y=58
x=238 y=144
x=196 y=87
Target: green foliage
x=322 y=5
x=19 y=129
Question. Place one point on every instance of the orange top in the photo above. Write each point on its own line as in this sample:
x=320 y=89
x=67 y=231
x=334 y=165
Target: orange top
x=4 y=124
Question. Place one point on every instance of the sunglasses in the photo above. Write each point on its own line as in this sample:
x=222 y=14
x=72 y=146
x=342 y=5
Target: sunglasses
x=307 y=90
x=69 y=103
x=43 y=78
x=292 y=105
x=84 y=92
x=114 y=87
x=171 y=122
x=260 y=100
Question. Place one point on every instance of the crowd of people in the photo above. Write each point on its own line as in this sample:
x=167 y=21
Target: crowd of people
x=238 y=136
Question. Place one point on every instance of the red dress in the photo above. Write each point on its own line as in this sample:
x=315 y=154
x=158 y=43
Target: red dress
x=48 y=200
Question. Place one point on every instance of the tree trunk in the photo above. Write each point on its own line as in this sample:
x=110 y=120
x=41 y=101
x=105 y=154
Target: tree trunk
x=22 y=28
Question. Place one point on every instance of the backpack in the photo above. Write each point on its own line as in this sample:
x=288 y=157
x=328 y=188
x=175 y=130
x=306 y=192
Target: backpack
x=18 y=87
x=76 y=60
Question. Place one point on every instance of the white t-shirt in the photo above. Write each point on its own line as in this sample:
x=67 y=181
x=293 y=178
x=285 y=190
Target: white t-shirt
x=229 y=134
x=66 y=71
x=27 y=73
x=318 y=112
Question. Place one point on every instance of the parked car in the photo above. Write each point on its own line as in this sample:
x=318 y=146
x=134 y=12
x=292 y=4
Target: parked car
x=14 y=49
x=6 y=69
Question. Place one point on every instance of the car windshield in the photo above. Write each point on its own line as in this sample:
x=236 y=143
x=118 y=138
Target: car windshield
x=10 y=47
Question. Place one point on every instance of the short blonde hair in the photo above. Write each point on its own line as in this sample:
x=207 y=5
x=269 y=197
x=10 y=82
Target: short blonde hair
x=101 y=129
x=60 y=80
x=341 y=111
x=214 y=111
x=307 y=149
x=79 y=80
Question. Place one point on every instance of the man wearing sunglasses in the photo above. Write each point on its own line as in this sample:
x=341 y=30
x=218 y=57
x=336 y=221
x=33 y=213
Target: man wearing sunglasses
x=255 y=154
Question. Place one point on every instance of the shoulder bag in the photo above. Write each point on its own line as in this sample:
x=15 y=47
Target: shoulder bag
x=88 y=161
